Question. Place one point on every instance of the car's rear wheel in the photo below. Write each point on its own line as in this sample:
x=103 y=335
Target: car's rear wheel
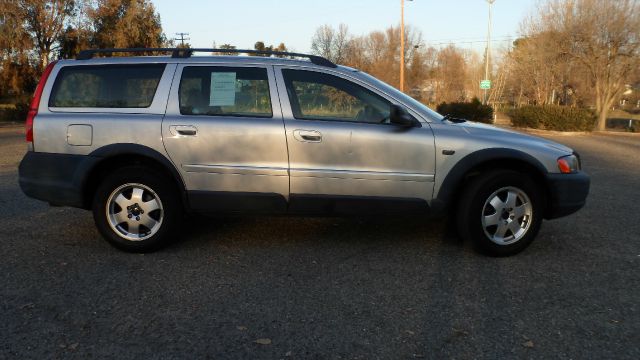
x=137 y=209
x=500 y=212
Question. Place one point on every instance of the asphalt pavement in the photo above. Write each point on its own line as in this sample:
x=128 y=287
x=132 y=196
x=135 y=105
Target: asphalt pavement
x=307 y=288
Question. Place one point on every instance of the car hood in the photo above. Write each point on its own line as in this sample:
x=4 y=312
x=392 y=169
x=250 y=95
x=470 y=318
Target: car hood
x=517 y=138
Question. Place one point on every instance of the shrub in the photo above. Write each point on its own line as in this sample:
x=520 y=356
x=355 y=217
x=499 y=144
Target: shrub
x=553 y=117
x=17 y=113
x=473 y=111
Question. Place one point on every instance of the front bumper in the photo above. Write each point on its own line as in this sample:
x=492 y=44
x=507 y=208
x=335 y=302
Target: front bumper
x=55 y=178
x=568 y=193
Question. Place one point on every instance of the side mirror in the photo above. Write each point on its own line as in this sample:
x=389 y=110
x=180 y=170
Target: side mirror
x=398 y=115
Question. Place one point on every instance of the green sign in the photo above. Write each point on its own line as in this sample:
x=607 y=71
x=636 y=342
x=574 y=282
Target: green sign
x=485 y=84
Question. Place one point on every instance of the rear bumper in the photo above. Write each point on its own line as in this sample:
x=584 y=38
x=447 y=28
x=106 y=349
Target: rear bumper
x=55 y=178
x=568 y=193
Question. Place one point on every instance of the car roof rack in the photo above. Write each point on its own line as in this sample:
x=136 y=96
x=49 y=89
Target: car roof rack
x=187 y=52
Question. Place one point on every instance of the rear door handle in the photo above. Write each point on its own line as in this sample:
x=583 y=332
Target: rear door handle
x=307 y=136
x=183 y=130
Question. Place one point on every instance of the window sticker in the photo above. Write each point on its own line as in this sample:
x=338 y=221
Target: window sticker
x=223 y=89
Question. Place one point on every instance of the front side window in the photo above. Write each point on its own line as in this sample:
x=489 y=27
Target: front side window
x=319 y=96
x=106 y=86
x=225 y=91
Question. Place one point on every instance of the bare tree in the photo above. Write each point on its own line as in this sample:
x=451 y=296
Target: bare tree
x=539 y=68
x=322 y=41
x=331 y=43
x=451 y=75
x=341 y=43
x=418 y=71
x=603 y=36
x=378 y=53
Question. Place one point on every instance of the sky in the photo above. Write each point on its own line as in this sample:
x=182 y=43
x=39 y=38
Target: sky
x=243 y=22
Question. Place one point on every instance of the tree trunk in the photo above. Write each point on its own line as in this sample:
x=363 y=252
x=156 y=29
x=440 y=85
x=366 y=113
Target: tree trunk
x=44 y=59
x=602 y=119
x=606 y=102
x=601 y=108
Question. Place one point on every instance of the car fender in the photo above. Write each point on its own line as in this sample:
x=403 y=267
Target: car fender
x=450 y=183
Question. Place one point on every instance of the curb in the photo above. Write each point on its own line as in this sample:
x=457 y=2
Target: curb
x=7 y=124
x=544 y=132
x=616 y=133
x=568 y=133
x=552 y=132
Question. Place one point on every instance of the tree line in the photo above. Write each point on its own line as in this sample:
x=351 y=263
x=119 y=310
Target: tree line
x=431 y=75
x=581 y=53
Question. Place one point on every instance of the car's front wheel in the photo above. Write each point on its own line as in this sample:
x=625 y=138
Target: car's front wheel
x=500 y=212
x=136 y=209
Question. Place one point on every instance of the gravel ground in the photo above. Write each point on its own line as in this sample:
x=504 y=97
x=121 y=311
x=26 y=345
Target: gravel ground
x=326 y=288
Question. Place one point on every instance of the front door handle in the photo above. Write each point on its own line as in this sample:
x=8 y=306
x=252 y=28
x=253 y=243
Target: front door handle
x=307 y=136
x=183 y=130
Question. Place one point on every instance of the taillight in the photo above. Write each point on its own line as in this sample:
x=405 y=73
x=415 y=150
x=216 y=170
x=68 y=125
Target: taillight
x=35 y=103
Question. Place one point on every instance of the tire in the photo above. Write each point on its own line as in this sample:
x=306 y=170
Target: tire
x=500 y=212
x=137 y=196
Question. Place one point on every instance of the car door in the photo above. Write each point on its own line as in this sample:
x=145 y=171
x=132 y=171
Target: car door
x=224 y=132
x=344 y=155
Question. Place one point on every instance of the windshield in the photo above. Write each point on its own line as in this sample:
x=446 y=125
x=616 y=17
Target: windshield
x=404 y=97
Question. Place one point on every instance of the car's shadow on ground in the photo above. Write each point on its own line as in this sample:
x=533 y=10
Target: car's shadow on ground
x=230 y=231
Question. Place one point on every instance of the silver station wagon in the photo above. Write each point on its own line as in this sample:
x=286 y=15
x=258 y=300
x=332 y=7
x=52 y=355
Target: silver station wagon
x=143 y=141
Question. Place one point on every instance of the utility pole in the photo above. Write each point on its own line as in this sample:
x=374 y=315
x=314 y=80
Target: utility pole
x=488 y=55
x=182 y=38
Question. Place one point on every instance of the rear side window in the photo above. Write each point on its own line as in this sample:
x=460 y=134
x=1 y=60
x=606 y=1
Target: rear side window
x=106 y=86
x=225 y=91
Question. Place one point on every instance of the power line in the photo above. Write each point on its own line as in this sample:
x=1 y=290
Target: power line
x=473 y=38
x=470 y=42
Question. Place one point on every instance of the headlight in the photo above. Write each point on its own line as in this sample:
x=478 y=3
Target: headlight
x=569 y=164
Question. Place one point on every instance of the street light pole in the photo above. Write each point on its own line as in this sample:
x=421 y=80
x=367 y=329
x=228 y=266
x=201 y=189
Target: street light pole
x=488 y=55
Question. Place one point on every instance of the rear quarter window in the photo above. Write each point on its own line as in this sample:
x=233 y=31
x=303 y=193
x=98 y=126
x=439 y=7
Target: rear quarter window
x=106 y=86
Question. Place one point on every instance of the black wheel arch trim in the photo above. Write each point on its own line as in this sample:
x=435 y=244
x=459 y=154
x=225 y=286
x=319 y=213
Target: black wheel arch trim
x=441 y=203
x=119 y=149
